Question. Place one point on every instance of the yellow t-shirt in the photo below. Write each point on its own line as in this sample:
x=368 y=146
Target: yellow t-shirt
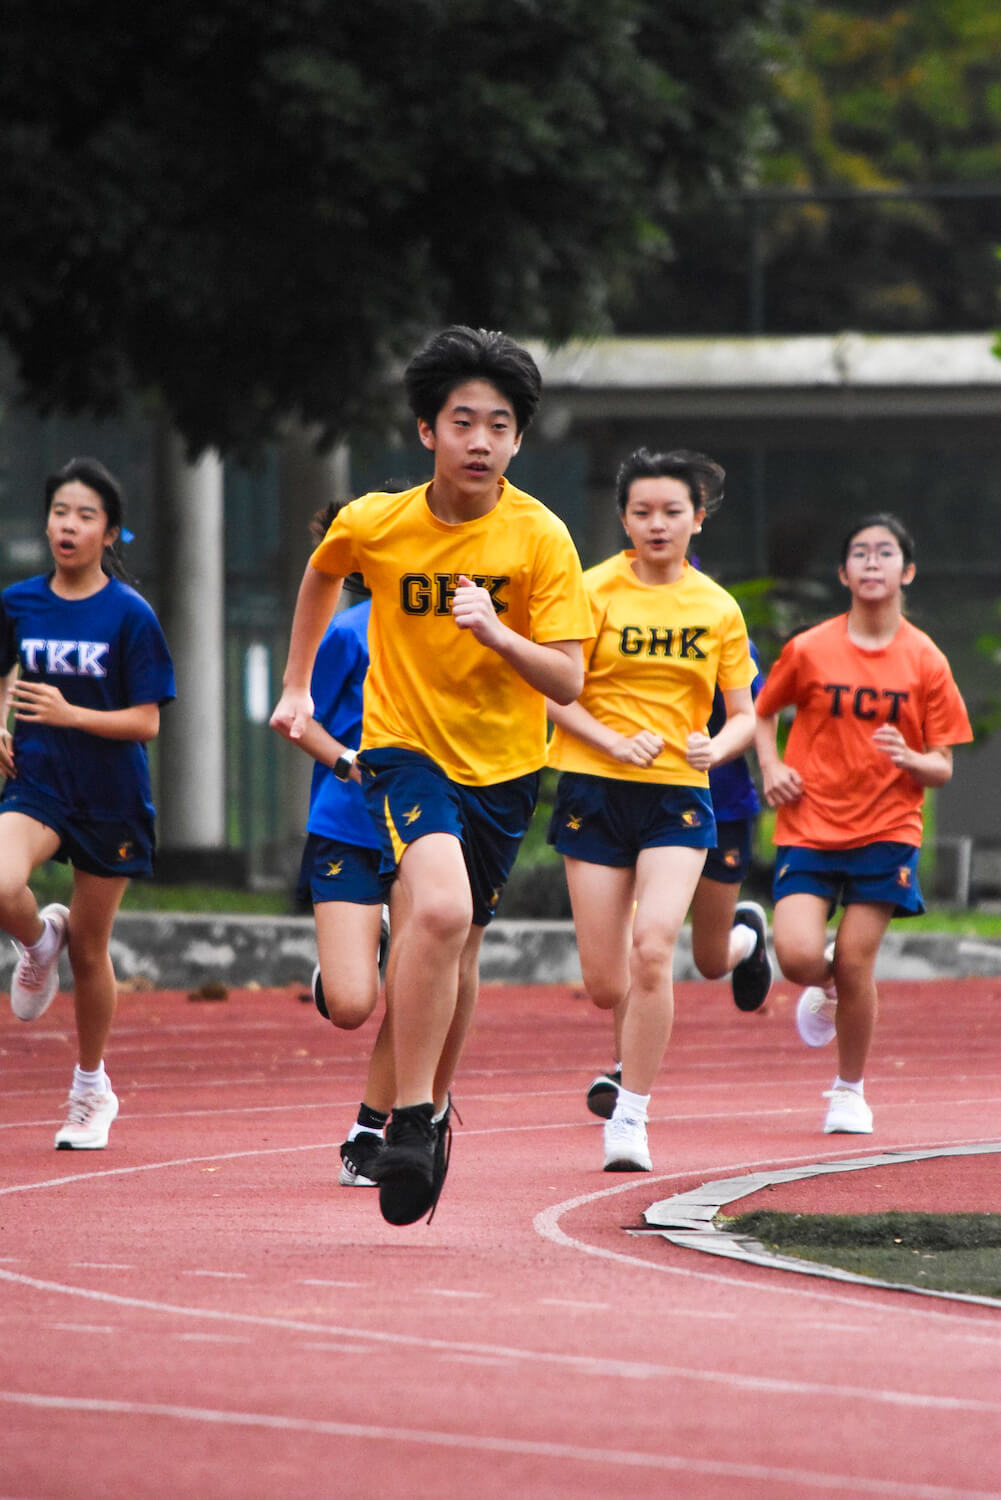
x=432 y=687
x=657 y=654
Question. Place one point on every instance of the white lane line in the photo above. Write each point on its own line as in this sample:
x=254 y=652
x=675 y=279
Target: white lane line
x=547 y=1225
x=213 y=1338
x=802 y=1479
x=84 y=1327
x=321 y=1281
x=99 y=1265
x=579 y=1363
x=444 y=1291
x=221 y=1275
x=570 y=1302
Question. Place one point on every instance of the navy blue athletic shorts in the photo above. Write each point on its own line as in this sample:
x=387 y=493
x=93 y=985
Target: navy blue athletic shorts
x=730 y=861
x=332 y=870
x=409 y=796
x=604 y=821
x=885 y=873
x=99 y=846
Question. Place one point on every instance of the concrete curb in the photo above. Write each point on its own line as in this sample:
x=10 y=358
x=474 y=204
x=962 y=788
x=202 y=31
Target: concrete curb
x=173 y=950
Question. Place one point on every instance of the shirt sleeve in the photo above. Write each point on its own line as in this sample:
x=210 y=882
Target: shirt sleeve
x=559 y=607
x=780 y=684
x=946 y=720
x=336 y=555
x=149 y=671
x=736 y=666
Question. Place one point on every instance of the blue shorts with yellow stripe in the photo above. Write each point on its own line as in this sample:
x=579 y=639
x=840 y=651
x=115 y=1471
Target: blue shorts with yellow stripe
x=884 y=873
x=410 y=796
x=332 y=870
x=604 y=821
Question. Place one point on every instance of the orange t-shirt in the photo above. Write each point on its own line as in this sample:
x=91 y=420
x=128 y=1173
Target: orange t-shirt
x=853 y=793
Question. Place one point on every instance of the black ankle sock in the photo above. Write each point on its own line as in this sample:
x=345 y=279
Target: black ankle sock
x=372 y=1119
x=427 y=1110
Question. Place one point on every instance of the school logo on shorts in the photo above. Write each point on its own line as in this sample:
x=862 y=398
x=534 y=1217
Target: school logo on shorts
x=573 y=822
x=783 y=872
x=412 y=815
x=904 y=876
x=731 y=858
x=692 y=818
x=334 y=868
x=125 y=851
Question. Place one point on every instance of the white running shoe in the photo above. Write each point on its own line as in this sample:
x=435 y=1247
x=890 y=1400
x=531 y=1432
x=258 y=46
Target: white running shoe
x=815 y=1014
x=626 y=1148
x=88 y=1120
x=34 y=984
x=848 y=1113
x=816 y=1010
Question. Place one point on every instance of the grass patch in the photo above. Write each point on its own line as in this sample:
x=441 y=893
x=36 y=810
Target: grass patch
x=54 y=882
x=943 y=1252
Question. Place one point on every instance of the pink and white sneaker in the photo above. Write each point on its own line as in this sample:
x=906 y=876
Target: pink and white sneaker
x=35 y=981
x=89 y=1118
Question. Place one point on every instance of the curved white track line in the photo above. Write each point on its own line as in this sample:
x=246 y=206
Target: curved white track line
x=562 y=1452
x=547 y=1225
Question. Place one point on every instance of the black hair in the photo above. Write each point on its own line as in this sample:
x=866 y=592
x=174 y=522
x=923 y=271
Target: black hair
x=890 y=523
x=458 y=354
x=92 y=473
x=703 y=476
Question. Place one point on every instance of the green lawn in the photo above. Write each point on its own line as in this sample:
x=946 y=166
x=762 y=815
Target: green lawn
x=943 y=1252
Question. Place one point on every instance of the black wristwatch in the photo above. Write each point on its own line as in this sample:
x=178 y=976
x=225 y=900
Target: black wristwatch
x=343 y=764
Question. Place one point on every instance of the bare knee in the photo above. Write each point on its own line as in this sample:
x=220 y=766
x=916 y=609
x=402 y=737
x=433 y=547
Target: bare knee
x=442 y=917
x=652 y=958
x=799 y=964
x=604 y=990
x=347 y=1015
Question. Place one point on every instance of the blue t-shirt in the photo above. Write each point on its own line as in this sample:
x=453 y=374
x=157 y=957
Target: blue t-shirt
x=337 y=808
x=731 y=784
x=104 y=652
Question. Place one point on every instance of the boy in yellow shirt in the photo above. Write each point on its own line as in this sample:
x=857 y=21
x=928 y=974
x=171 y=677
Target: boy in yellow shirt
x=478 y=612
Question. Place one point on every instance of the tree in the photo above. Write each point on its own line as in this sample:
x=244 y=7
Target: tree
x=888 y=112
x=248 y=210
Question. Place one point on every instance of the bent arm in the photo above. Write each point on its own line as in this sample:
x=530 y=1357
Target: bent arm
x=640 y=749
x=43 y=703
x=322 y=746
x=737 y=734
x=554 y=668
x=314 y=607
x=781 y=783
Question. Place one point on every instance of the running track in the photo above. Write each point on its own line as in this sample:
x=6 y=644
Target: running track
x=201 y=1311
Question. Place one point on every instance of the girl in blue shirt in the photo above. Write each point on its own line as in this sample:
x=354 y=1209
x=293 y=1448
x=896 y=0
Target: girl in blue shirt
x=85 y=669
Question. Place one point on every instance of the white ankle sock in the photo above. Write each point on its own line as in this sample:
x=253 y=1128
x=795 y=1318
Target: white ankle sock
x=750 y=939
x=87 y=1083
x=632 y=1106
x=856 y=1088
x=47 y=944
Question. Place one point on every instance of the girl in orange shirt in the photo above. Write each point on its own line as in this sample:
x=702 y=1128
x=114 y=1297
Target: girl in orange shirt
x=877 y=714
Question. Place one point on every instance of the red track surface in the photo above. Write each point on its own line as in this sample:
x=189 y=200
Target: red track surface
x=200 y=1310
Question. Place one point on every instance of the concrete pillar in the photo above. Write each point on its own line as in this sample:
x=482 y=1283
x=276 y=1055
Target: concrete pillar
x=192 y=815
x=308 y=480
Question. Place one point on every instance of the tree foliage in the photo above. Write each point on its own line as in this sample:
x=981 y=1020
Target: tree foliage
x=248 y=209
x=868 y=97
